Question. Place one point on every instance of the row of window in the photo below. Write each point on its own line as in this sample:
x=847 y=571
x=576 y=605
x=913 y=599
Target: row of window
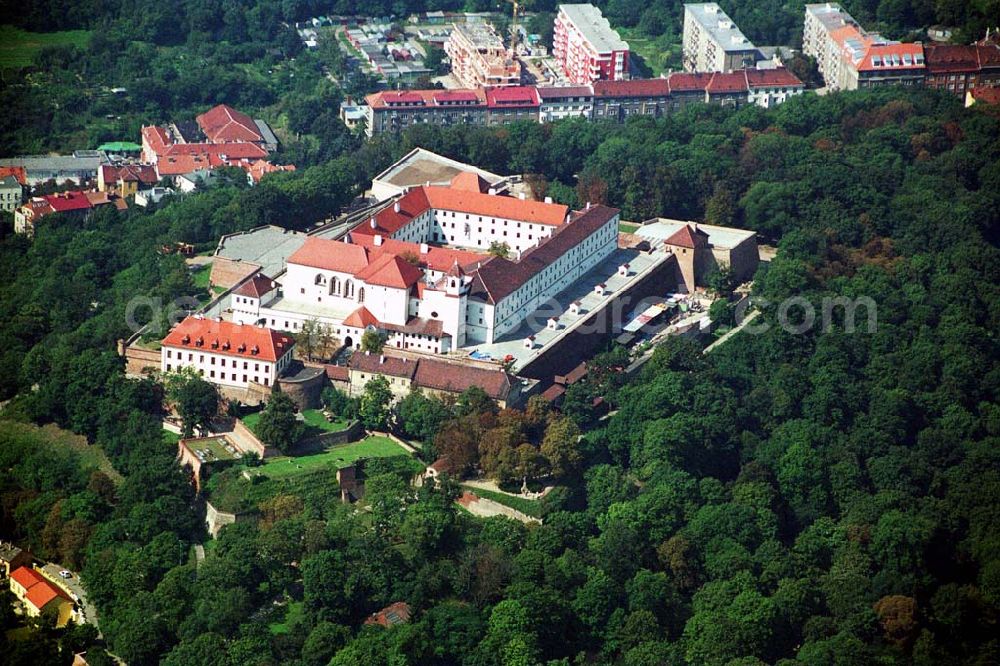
x=222 y=375
x=222 y=361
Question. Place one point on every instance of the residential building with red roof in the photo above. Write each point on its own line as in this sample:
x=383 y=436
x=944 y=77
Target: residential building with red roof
x=126 y=179
x=226 y=353
x=586 y=47
x=11 y=192
x=223 y=137
x=39 y=595
x=960 y=68
x=558 y=102
x=849 y=57
x=71 y=202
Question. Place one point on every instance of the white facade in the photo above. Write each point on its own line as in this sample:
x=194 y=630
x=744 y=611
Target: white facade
x=768 y=97
x=219 y=367
x=712 y=42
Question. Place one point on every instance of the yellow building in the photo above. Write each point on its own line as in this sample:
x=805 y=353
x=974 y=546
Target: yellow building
x=40 y=596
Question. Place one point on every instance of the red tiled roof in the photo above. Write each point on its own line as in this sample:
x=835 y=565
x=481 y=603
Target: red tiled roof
x=394 y=366
x=687 y=237
x=397 y=613
x=142 y=173
x=470 y=182
x=330 y=255
x=955 y=58
x=632 y=88
x=224 y=124
x=512 y=96
x=417 y=326
x=227 y=338
x=361 y=318
x=725 y=82
x=40 y=592
x=179 y=165
x=562 y=92
x=338 y=373
x=455 y=96
x=436 y=258
x=389 y=270
x=689 y=82
x=494 y=205
x=261 y=168
x=444 y=376
x=770 y=78
x=67 y=201
x=256 y=286
x=103 y=198
x=18 y=172
x=897 y=53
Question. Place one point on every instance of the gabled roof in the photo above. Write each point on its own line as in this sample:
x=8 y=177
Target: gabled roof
x=772 y=78
x=390 y=270
x=435 y=258
x=224 y=124
x=256 y=286
x=495 y=205
x=687 y=237
x=68 y=201
x=40 y=592
x=330 y=255
x=225 y=337
x=441 y=375
x=141 y=173
x=512 y=96
x=17 y=172
x=470 y=182
x=361 y=318
x=632 y=88
x=689 y=82
x=726 y=82
x=394 y=366
x=562 y=92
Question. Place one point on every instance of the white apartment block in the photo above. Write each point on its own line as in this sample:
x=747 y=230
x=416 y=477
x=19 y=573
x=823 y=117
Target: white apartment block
x=712 y=42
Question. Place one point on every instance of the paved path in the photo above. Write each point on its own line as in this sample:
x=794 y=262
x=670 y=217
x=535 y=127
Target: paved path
x=749 y=318
x=75 y=589
x=492 y=486
x=487 y=508
x=199 y=553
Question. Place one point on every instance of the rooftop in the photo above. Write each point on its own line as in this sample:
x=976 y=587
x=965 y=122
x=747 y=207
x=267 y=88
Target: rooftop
x=267 y=247
x=594 y=27
x=229 y=339
x=420 y=167
x=223 y=124
x=722 y=237
x=718 y=24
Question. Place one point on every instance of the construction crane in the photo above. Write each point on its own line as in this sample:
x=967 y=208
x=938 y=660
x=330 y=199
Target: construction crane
x=513 y=24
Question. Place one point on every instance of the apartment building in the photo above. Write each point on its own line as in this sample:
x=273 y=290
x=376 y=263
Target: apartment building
x=479 y=57
x=712 y=42
x=586 y=46
x=849 y=57
x=960 y=68
x=393 y=111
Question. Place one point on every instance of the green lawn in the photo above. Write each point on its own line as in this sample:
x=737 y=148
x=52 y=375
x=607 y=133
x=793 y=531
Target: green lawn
x=293 y=611
x=53 y=437
x=528 y=507
x=659 y=54
x=200 y=276
x=627 y=228
x=18 y=48
x=315 y=421
x=171 y=438
x=334 y=458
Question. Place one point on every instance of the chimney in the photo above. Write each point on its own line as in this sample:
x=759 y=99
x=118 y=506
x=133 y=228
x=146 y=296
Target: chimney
x=588 y=206
x=424 y=249
x=378 y=240
x=373 y=223
x=395 y=206
x=548 y=199
x=522 y=196
x=381 y=359
x=492 y=190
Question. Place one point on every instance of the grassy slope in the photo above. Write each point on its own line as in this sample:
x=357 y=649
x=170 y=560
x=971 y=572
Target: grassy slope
x=18 y=48
x=338 y=456
x=53 y=435
x=528 y=507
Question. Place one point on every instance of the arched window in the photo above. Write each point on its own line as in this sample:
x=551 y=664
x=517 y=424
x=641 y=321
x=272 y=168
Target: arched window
x=334 y=286
x=361 y=295
x=348 y=289
x=320 y=278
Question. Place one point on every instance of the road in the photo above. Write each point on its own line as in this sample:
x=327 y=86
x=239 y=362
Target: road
x=73 y=586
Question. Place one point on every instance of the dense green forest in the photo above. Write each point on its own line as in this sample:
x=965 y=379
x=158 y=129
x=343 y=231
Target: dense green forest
x=825 y=497
x=815 y=498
